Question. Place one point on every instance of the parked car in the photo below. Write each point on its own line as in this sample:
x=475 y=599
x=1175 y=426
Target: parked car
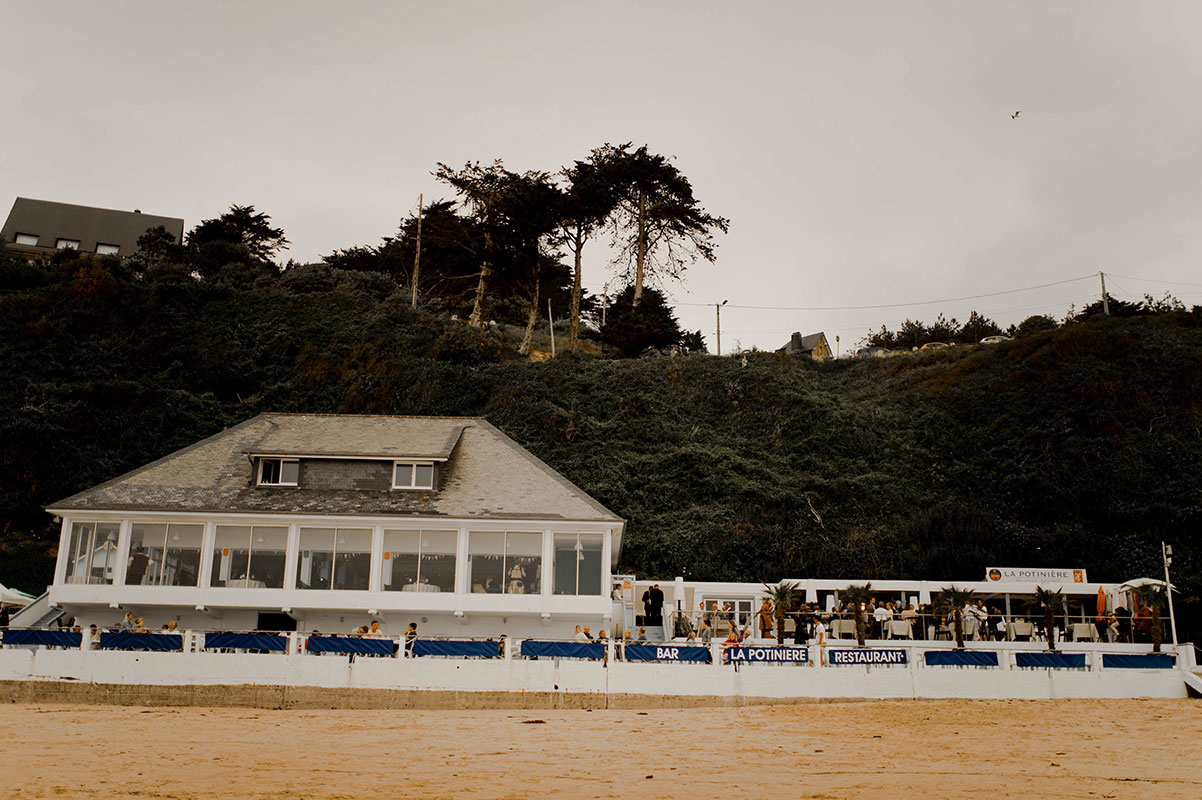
x=995 y=339
x=933 y=346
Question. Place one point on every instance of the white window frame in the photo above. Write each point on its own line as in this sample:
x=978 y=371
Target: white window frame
x=17 y=239
x=412 y=486
x=66 y=244
x=113 y=249
x=259 y=481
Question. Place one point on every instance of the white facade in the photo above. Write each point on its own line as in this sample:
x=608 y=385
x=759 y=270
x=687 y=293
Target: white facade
x=544 y=606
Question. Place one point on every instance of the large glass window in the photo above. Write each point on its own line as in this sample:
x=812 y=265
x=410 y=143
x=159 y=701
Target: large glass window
x=334 y=558
x=505 y=562
x=578 y=563
x=419 y=561
x=92 y=552
x=163 y=555
x=249 y=556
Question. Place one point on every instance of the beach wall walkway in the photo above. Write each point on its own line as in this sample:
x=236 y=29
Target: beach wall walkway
x=340 y=681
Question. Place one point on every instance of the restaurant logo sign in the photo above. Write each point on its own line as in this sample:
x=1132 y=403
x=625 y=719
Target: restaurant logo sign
x=1017 y=575
x=791 y=655
x=873 y=656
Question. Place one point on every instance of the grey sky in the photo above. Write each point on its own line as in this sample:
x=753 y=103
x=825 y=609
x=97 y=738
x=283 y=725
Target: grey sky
x=864 y=152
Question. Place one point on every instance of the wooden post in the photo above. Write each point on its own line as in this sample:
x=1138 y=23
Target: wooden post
x=551 y=325
x=417 y=255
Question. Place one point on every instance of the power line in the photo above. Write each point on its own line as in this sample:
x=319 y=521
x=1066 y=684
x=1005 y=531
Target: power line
x=1153 y=280
x=901 y=305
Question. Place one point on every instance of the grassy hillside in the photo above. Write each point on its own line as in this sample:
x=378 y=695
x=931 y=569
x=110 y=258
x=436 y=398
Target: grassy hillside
x=1075 y=447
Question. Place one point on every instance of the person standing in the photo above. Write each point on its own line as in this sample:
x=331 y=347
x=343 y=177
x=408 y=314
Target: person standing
x=766 y=619
x=657 y=606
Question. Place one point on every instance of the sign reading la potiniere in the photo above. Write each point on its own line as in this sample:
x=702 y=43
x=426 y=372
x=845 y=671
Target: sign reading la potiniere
x=1024 y=575
x=790 y=655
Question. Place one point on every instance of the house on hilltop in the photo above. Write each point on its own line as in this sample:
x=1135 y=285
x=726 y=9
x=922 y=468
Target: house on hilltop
x=815 y=346
x=39 y=228
x=308 y=521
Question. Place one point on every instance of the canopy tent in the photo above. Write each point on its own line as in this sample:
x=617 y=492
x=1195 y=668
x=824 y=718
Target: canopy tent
x=11 y=597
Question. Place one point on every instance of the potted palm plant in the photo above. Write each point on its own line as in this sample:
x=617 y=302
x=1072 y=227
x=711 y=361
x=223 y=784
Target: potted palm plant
x=783 y=597
x=858 y=597
x=1154 y=598
x=953 y=601
x=1049 y=601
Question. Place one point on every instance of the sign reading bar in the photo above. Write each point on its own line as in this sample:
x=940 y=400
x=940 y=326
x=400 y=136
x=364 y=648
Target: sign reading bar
x=791 y=655
x=666 y=652
x=1023 y=575
x=872 y=656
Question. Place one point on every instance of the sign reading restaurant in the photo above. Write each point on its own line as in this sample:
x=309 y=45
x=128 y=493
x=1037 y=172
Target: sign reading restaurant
x=1017 y=575
x=867 y=656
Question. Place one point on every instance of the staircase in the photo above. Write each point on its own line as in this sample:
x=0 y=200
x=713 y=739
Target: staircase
x=1193 y=683
x=37 y=614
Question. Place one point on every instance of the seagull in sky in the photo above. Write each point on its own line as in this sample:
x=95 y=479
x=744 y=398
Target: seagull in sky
x=1015 y=115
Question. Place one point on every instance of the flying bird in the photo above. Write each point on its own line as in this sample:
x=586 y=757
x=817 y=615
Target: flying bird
x=1015 y=115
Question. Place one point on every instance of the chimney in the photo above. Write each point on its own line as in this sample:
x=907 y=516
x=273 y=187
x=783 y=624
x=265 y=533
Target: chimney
x=795 y=342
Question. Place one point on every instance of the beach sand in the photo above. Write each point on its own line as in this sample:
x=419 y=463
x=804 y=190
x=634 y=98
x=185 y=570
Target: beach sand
x=877 y=749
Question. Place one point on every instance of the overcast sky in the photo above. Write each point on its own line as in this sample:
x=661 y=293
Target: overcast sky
x=864 y=153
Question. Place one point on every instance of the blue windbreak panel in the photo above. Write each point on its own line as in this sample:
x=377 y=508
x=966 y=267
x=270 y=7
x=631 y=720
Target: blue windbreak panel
x=1050 y=660
x=960 y=658
x=539 y=649
x=462 y=649
x=47 y=638
x=1149 y=661
x=141 y=641
x=339 y=644
x=246 y=641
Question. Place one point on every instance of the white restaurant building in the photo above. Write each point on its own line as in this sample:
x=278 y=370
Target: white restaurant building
x=325 y=522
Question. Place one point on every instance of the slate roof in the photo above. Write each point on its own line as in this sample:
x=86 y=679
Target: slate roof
x=50 y=221
x=487 y=476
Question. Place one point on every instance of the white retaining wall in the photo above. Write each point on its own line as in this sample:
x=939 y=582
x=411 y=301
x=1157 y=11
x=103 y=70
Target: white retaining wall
x=912 y=680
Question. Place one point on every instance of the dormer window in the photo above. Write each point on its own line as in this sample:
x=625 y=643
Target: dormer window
x=278 y=471
x=413 y=475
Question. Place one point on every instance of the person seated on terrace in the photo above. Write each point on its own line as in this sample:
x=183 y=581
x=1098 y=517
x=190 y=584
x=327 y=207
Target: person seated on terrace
x=642 y=634
x=127 y=624
x=908 y=613
x=477 y=587
x=706 y=634
x=140 y=625
x=359 y=631
x=579 y=634
x=173 y=627
x=588 y=634
x=410 y=638
x=376 y=632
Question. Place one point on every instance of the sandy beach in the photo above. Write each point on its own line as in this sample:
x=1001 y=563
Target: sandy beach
x=895 y=749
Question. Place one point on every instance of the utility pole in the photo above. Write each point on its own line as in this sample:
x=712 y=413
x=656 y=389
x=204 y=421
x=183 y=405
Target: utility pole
x=718 y=321
x=604 y=303
x=417 y=256
x=1166 y=552
x=551 y=325
x=1105 y=301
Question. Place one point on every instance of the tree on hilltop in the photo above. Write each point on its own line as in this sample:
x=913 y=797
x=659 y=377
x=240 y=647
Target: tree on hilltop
x=658 y=226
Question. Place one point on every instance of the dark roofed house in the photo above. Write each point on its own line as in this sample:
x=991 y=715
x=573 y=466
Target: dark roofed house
x=324 y=516
x=814 y=345
x=39 y=228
